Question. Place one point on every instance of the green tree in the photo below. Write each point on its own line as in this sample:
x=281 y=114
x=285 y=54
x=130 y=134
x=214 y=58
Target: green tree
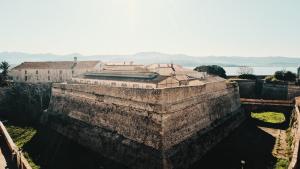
x=212 y=69
x=4 y=66
x=290 y=76
x=285 y=76
x=279 y=75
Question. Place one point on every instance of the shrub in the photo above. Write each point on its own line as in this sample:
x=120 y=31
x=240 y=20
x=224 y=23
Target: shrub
x=279 y=75
x=247 y=76
x=285 y=76
x=212 y=69
x=289 y=76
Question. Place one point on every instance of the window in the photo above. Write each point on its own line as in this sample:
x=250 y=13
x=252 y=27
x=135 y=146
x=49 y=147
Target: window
x=17 y=78
x=124 y=85
x=60 y=78
x=25 y=78
x=60 y=72
x=72 y=72
x=135 y=86
x=36 y=72
x=113 y=84
x=48 y=78
x=48 y=71
x=37 y=78
x=25 y=72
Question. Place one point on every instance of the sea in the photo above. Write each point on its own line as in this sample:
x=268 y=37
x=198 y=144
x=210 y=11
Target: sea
x=231 y=71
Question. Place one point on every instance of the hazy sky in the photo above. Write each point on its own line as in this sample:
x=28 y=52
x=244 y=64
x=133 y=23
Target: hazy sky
x=194 y=27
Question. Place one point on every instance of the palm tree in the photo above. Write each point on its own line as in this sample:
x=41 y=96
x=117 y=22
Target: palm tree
x=4 y=66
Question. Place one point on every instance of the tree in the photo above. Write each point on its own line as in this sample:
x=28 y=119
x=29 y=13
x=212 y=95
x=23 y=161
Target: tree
x=212 y=69
x=285 y=75
x=245 y=70
x=279 y=75
x=4 y=66
x=289 y=76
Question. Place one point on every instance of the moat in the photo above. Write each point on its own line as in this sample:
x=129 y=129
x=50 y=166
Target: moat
x=253 y=142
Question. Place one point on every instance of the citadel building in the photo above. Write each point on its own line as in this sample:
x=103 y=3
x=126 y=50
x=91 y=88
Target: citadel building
x=159 y=116
x=139 y=76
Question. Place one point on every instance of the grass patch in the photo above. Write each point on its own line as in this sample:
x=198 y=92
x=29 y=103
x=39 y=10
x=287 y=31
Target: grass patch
x=282 y=164
x=21 y=136
x=269 y=117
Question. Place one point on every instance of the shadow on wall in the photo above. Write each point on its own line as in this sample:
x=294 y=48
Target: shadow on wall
x=25 y=102
x=50 y=150
x=259 y=89
x=247 y=143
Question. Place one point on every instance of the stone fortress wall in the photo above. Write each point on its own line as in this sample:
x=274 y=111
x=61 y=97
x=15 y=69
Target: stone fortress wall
x=260 y=89
x=157 y=128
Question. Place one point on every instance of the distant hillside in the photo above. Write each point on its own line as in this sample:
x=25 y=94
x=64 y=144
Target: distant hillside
x=15 y=58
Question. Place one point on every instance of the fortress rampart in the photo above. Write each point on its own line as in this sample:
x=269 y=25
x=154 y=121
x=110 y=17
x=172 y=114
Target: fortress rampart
x=146 y=128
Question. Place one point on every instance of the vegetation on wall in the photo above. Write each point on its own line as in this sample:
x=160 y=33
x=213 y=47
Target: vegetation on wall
x=212 y=69
x=26 y=102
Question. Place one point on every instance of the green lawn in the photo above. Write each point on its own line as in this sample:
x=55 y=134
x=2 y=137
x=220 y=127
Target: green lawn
x=282 y=164
x=269 y=117
x=22 y=135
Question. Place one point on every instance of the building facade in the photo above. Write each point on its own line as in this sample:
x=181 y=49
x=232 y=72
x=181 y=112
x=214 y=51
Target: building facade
x=139 y=76
x=43 y=72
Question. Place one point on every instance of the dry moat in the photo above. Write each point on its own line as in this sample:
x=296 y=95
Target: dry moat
x=260 y=144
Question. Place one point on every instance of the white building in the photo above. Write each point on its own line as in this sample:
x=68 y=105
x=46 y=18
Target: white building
x=61 y=71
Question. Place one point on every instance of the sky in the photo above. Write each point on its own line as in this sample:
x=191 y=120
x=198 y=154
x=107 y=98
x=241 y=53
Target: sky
x=193 y=27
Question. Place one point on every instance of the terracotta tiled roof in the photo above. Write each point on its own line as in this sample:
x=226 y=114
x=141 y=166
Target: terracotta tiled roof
x=57 y=65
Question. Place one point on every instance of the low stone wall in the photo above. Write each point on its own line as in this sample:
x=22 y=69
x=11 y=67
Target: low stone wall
x=148 y=128
x=261 y=90
x=293 y=91
x=274 y=91
x=294 y=164
x=247 y=88
x=17 y=156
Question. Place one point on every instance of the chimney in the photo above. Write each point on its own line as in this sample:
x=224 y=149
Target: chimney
x=75 y=59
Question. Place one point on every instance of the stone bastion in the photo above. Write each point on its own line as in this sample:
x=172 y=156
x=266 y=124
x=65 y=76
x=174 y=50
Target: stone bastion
x=146 y=128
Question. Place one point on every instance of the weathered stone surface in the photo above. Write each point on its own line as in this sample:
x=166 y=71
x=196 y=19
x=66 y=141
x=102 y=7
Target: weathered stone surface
x=146 y=128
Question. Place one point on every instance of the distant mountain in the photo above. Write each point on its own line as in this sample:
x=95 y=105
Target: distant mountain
x=15 y=58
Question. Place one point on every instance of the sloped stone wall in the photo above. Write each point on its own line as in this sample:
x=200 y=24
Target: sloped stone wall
x=158 y=125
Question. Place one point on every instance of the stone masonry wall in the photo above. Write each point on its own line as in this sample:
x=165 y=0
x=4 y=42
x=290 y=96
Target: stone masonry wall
x=157 y=119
